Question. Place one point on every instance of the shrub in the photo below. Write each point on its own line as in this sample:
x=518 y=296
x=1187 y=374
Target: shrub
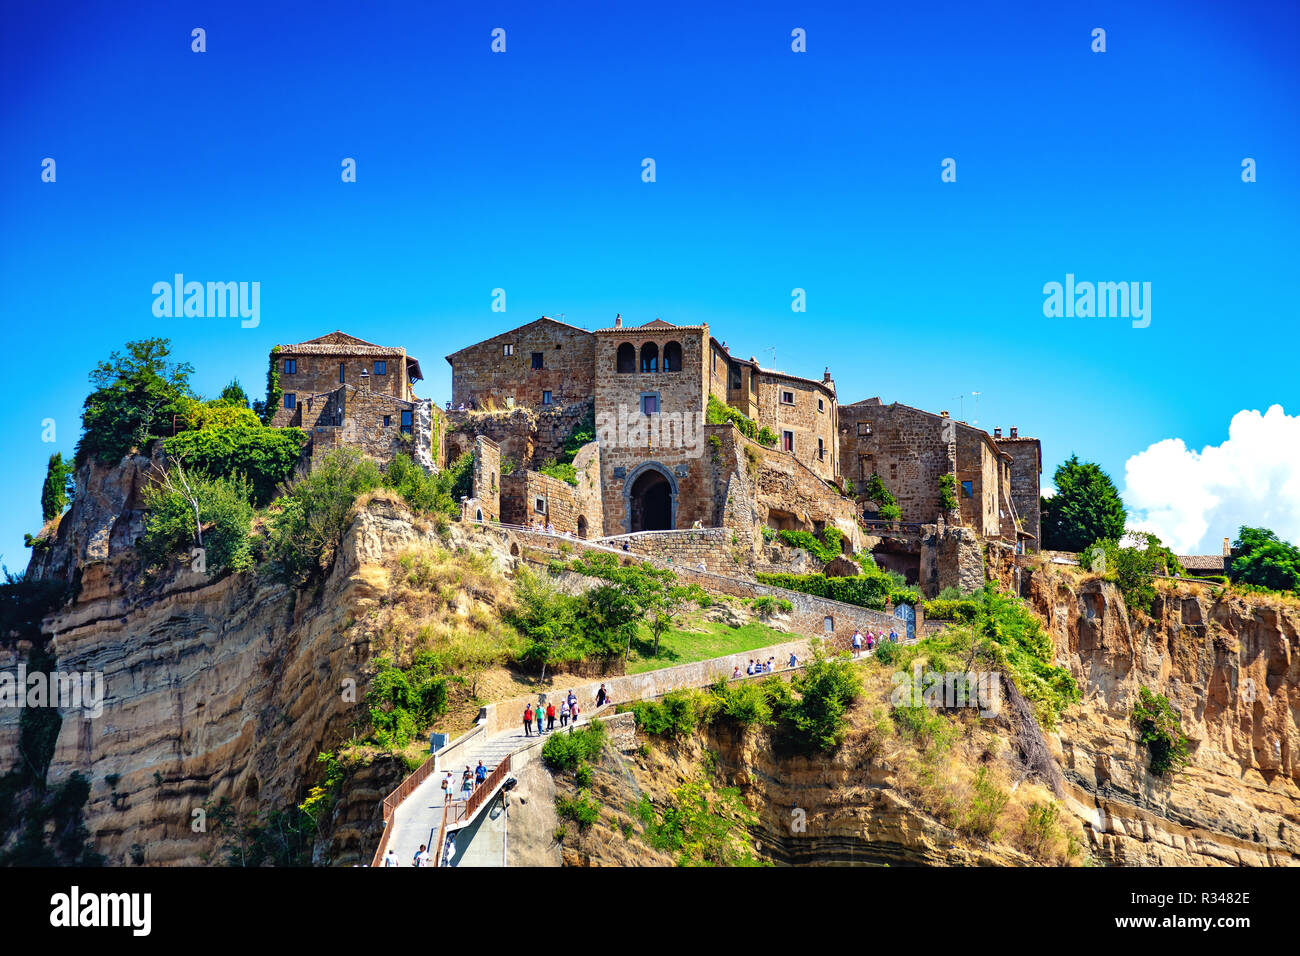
x=964 y=610
x=267 y=457
x=986 y=805
x=564 y=471
x=403 y=703
x=719 y=413
x=581 y=809
x=1160 y=729
x=565 y=751
x=826 y=688
x=674 y=716
x=308 y=524
x=424 y=492
x=187 y=512
x=947 y=492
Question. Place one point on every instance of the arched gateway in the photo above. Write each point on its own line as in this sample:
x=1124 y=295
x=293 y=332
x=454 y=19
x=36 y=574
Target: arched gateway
x=651 y=498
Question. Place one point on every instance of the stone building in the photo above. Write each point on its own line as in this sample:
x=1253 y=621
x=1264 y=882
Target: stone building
x=521 y=399
x=342 y=390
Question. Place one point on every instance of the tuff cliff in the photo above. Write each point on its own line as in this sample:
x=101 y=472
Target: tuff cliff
x=1230 y=666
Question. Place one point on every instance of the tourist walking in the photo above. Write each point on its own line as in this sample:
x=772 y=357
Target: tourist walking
x=573 y=710
x=564 y=714
x=466 y=783
x=601 y=696
x=528 y=720
x=421 y=857
x=857 y=642
x=539 y=719
x=390 y=858
x=480 y=774
x=447 y=785
x=550 y=715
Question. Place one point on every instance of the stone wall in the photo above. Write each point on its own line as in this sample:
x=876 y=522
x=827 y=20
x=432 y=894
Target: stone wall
x=520 y=496
x=484 y=377
x=487 y=478
x=809 y=415
x=721 y=550
x=905 y=446
x=951 y=556
x=1026 y=482
x=527 y=436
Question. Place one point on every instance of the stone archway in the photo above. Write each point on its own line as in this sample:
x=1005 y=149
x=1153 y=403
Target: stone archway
x=650 y=494
x=582 y=526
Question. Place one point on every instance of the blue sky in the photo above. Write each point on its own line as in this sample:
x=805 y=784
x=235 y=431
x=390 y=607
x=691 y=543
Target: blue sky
x=775 y=171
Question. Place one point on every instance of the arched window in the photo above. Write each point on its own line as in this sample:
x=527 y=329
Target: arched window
x=649 y=357
x=626 y=357
x=673 y=357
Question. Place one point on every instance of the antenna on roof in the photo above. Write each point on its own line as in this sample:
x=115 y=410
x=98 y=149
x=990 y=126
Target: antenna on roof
x=772 y=349
x=976 y=420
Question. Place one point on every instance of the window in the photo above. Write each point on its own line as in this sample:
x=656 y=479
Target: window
x=828 y=624
x=673 y=357
x=864 y=428
x=539 y=505
x=290 y=366
x=381 y=368
x=290 y=400
x=649 y=357
x=406 y=422
x=821 y=404
x=388 y=420
x=546 y=398
x=537 y=360
x=787 y=441
x=649 y=403
x=627 y=359
x=967 y=489
x=507 y=350
x=821 y=450
x=735 y=376
x=341 y=373
x=787 y=398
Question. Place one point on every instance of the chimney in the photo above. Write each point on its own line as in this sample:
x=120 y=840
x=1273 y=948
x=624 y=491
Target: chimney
x=618 y=321
x=1015 y=433
x=997 y=433
x=943 y=414
x=1227 y=548
x=826 y=376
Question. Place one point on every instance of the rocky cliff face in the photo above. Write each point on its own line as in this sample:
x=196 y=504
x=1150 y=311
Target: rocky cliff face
x=215 y=689
x=1230 y=666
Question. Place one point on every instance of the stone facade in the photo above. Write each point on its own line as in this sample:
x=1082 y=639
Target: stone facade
x=318 y=367
x=1026 y=480
x=487 y=480
x=528 y=437
x=542 y=363
x=911 y=449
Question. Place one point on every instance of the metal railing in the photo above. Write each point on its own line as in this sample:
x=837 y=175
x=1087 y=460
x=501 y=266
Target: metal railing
x=464 y=811
x=394 y=799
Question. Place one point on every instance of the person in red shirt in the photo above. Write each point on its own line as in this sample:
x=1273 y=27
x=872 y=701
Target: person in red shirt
x=528 y=720
x=550 y=717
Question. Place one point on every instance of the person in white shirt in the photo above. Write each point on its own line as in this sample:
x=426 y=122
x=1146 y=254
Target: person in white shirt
x=390 y=858
x=857 y=642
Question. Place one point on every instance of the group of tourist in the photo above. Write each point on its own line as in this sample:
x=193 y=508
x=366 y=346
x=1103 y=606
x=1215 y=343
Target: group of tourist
x=870 y=640
x=762 y=667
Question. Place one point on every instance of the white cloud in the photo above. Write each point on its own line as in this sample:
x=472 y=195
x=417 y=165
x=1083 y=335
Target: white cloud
x=1193 y=500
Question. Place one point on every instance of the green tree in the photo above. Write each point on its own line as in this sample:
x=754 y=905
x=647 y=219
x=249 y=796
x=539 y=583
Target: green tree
x=1265 y=560
x=135 y=396
x=1085 y=508
x=59 y=487
x=189 y=511
x=1160 y=729
x=234 y=394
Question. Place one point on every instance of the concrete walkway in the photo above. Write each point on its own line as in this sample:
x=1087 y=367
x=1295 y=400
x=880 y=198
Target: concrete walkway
x=417 y=819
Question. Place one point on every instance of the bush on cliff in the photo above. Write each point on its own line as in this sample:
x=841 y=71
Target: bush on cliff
x=1160 y=730
x=403 y=703
x=240 y=445
x=136 y=395
x=307 y=525
x=188 y=511
x=565 y=751
x=428 y=493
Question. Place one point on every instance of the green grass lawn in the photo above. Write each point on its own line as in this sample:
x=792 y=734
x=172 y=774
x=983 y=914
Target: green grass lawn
x=705 y=639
